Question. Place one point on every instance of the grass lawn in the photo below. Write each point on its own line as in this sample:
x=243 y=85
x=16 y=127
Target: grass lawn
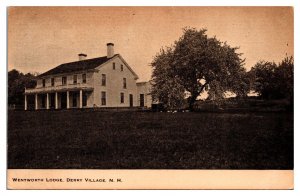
x=87 y=139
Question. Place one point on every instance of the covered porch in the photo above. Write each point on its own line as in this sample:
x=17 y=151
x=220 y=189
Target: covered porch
x=59 y=99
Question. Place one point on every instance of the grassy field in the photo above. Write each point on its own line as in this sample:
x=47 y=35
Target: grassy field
x=146 y=140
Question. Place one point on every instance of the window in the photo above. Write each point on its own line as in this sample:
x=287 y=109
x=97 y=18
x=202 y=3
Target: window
x=142 y=100
x=114 y=66
x=64 y=80
x=103 y=80
x=103 y=98
x=121 y=67
x=75 y=79
x=124 y=83
x=122 y=97
x=83 y=78
x=44 y=82
x=52 y=81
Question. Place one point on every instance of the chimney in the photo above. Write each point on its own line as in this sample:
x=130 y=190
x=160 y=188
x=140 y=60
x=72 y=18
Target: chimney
x=110 y=50
x=82 y=56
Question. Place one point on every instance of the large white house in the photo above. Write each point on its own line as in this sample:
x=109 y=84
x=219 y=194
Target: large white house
x=106 y=81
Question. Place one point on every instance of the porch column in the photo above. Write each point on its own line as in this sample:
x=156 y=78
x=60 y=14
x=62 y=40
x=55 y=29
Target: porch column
x=56 y=100
x=80 y=99
x=47 y=101
x=36 y=102
x=25 y=105
x=68 y=101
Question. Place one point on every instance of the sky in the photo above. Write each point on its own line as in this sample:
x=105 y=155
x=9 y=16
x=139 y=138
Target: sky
x=41 y=38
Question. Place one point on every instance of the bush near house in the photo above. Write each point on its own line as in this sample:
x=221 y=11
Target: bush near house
x=249 y=104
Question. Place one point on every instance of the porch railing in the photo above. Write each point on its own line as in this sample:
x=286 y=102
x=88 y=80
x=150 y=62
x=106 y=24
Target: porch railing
x=78 y=86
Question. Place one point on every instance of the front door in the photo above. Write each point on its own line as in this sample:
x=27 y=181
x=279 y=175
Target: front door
x=43 y=99
x=52 y=101
x=63 y=100
x=74 y=99
x=130 y=100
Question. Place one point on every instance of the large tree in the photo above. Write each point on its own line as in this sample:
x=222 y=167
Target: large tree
x=198 y=61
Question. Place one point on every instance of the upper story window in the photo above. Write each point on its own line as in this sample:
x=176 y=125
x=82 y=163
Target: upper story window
x=103 y=80
x=44 y=82
x=122 y=67
x=64 y=80
x=83 y=78
x=75 y=79
x=52 y=81
x=122 y=97
x=124 y=83
x=114 y=66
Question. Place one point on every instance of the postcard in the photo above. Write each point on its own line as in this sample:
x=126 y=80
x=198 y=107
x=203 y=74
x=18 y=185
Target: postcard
x=150 y=98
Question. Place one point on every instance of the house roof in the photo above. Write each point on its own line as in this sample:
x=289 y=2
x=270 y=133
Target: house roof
x=77 y=66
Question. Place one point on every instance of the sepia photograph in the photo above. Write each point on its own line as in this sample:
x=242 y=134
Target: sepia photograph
x=110 y=91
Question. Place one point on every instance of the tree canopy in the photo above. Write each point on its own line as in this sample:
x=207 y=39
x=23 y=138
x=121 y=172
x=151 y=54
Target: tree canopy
x=274 y=81
x=195 y=62
x=166 y=87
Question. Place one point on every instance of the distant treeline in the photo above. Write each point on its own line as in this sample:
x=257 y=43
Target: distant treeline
x=17 y=81
x=273 y=81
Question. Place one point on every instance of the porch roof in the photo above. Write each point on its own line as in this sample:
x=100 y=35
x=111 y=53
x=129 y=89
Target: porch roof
x=57 y=89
